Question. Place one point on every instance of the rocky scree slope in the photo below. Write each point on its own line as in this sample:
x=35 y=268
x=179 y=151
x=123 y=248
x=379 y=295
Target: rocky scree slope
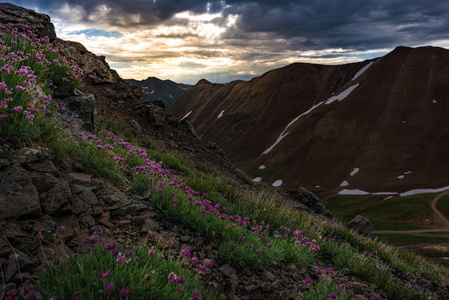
x=384 y=118
x=39 y=195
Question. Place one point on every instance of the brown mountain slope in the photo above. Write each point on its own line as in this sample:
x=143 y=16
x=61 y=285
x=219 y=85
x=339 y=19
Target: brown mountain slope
x=393 y=121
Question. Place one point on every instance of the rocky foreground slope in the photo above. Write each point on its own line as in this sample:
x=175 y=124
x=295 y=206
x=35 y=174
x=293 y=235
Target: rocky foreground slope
x=375 y=126
x=56 y=203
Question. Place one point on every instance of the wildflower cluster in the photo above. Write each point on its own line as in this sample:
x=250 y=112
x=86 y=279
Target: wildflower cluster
x=26 y=290
x=30 y=69
x=250 y=237
x=327 y=287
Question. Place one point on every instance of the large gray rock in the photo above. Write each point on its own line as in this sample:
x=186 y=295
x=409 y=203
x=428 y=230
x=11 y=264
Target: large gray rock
x=82 y=107
x=310 y=200
x=28 y=156
x=361 y=225
x=18 y=195
x=57 y=200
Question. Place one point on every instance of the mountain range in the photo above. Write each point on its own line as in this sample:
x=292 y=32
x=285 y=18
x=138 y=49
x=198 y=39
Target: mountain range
x=378 y=126
x=154 y=89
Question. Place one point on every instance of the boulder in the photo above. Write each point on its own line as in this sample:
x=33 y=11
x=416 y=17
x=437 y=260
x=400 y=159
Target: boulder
x=18 y=195
x=26 y=156
x=361 y=225
x=310 y=200
x=57 y=200
x=183 y=125
x=82 y=107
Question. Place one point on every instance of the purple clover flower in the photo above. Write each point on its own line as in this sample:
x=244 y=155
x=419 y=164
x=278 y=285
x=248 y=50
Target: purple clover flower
x=185 y=252
x=103 y=275
x=110 y=246
x=91 y=240
x=109 y=287
x=127 y=291
x=180 y=288
x=196 y=295
x=208 y=262
x=308 y=281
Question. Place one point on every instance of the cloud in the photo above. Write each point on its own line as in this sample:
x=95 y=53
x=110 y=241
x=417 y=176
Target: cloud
x=199 y=37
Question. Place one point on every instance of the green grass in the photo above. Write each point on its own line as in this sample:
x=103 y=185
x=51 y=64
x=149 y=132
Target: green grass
x=148 y=276
x=443 y=204
x=105 y=123
x=400 y=240
x=405 y=211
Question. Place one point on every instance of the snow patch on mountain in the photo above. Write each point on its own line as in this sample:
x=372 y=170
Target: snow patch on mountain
x=342 y=95
x=289 y=124
x=352 y=192
x=277 y=183
x=187 y=114
x=362 y=70
x=344 y=183
x=261 y=167
x=423 y=191
x=221 y=114
x=257 y=179
x=355 y=171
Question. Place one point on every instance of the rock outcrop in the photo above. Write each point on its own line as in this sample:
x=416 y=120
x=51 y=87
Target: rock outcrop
x=309 y=200
x=18 y=16
x=51 y=202
x=361 y=225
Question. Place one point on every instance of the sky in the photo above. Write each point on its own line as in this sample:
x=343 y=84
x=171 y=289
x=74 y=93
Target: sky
x=225 y=40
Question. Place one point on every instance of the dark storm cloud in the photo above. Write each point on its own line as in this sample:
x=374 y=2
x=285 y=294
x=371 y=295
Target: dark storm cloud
x=319 y=24
x=347 y=24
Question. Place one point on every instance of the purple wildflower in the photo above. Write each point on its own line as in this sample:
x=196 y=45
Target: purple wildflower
x=329 y=271
x=196 y=295
x=109 y=287
x=208 y=262
x=194 y=260
x=103 y=275
x=180 y=288
x=318 y=272
x=91 y=240
x=332 y=295
x=127 y=291
x=173 y=277
x=185 y=252
x=12 y=294
x=249 y=245
x=110 y=246
x=309 y=280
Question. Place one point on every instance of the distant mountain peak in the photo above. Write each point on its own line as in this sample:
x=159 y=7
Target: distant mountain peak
x=156 y=89
x=383 y=115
